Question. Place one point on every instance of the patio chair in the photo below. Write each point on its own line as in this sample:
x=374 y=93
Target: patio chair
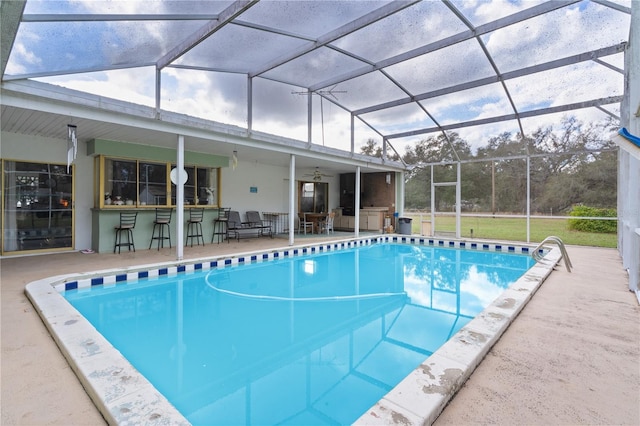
x=163 y=218
x=127 y=223
x=255 y=221
x=194 y=226
x=303 y=223
x=234 y=223
x=221 y=224
x=327 y=224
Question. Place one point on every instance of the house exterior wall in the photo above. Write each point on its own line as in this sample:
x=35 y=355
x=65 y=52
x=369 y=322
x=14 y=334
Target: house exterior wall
x=93 y=228
x=236 y=190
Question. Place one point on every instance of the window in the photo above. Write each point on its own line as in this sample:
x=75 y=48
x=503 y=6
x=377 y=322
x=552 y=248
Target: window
x=143 y=183
x=312 y=197
x=152 y=183
x=120 y=181
x=201 y=187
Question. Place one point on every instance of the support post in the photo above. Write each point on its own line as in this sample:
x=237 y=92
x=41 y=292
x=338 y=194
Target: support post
x=528 y=198
x=249 y=104
x=357 y=206
x=292 y=199
x=458 y=198
x=180 y=199
x=433 y=204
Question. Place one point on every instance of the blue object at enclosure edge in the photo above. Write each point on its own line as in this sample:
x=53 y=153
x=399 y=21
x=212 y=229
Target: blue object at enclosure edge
x=633 y=139
x=395 y=214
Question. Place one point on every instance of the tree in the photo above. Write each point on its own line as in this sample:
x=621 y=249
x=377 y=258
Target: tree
x=573 y=164
x=575 y=173
x=372 y=149
x=428 y=152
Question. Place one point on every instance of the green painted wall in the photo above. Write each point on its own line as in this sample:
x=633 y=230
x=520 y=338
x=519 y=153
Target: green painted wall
x=153 y=153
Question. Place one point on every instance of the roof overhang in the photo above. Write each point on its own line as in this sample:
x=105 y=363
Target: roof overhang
x=40 y=109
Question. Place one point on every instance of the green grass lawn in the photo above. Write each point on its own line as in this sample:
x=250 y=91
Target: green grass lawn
x=515 y=229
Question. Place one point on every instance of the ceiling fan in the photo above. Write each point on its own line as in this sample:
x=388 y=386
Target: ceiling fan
x=317 y=175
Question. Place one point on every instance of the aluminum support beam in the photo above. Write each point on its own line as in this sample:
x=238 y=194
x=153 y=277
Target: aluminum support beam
x=559 y=63
x=114 y=17
x=292 y=198
x=350 y=27
x=525 y=114
x=249 y=104
x=10 y=14
x=227 y=15
x=528 y=199
x=357 y=206
x=458 y=199
x=433 y=204
x=457 y=38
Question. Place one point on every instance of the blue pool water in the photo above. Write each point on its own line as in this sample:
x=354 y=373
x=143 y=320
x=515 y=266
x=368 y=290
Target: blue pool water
x=313 y=339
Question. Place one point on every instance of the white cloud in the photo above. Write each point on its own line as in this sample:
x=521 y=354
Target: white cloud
x=22 y=58
x=490 y=10
x=479 y=286
x=121 y=84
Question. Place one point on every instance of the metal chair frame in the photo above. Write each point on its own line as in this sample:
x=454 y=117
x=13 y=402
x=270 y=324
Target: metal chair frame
x=163 y=218
x=221 y=225
x=255 y=221
x=127 y=223
x=194 y=226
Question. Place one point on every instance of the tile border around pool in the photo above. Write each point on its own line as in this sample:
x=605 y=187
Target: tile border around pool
x=124 y=396
x=152 y=271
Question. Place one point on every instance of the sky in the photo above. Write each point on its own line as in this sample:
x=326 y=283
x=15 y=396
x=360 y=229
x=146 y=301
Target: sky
x=281 y=108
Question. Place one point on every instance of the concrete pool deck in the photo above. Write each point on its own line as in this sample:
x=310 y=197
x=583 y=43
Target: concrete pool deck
x=571 y=356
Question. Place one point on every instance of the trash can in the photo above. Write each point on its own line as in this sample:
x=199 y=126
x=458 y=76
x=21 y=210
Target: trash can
x=404 y=225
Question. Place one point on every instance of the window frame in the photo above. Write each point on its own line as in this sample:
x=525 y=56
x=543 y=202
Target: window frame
x=317 y=197
x=102 y=188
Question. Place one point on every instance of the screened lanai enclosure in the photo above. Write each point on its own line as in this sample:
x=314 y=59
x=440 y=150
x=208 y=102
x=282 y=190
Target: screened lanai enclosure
x=336 y=73
x=394 y=71
x=478 y=109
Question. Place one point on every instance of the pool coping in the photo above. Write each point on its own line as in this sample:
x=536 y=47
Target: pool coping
x=124 y=396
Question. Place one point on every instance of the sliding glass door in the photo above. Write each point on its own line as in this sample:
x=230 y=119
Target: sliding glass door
x=37 y=206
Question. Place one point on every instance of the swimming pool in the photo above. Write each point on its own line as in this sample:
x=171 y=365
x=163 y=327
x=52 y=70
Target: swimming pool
x=446 y=367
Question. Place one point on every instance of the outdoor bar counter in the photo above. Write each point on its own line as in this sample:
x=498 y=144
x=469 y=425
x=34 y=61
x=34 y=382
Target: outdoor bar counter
x=104 y=221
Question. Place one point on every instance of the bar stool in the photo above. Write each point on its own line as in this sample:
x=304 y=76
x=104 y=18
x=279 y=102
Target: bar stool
x=163 y=218
x=127 y=223
x=194 y=226
x=221 y=224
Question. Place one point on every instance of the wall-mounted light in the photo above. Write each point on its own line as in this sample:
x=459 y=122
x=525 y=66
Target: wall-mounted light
x=234 y=159
x=387 y=178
